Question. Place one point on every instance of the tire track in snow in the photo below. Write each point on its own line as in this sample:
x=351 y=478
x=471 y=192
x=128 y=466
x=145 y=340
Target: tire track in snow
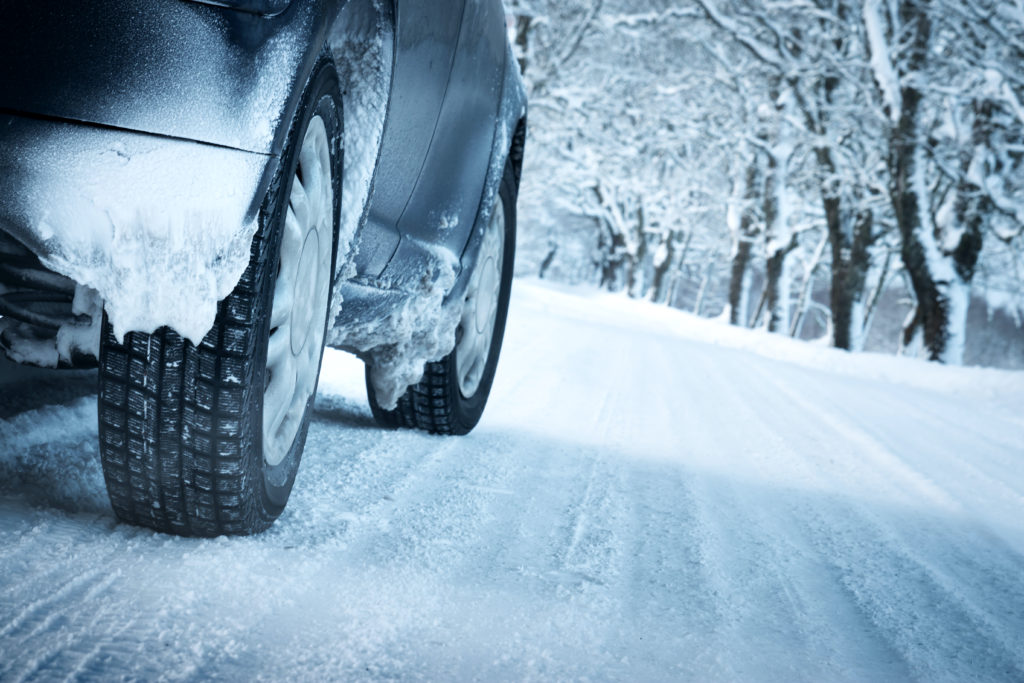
x=671 y=602
x=939 y=468
x=923 y=615
x=573 y=538
x=580 y=548
x=868 y=420
x=57 y=627
x=49 y=568
x=90 y=660
x=936 y=624
x=340 y=481
x=598 y=535
x=135 y=608
x=669 y=594
x=33 y=616
x=765 y=573
x=41 y=628
x=400 y=525
x=586 y=549
x=125 y=626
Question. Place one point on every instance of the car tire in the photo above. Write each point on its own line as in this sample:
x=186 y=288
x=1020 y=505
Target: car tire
x=453 y=392
x=205 y=440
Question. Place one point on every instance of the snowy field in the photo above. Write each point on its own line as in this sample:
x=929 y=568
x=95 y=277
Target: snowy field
x=649 y=496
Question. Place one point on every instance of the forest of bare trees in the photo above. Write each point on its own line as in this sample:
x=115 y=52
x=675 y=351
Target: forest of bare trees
x=777 y=161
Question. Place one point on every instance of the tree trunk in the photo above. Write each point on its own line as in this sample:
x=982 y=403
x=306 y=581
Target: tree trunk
x=807 y=288
x=739 y=273
x=851 y=261
x=613 y=266
x=940 y=276
x=739 y=283
x=639 y=266
x=971 y=211
x=872 y=301
x=611 y=248
x=755 y=320
x=698 y=305
x=777 y=283
x=522 y=40
x=779 y=244
x=910 y=196
x=910 y=336
x=664 y=276
x=549 y=259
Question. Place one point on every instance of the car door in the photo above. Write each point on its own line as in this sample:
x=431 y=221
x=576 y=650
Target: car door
x=426 y=36
x=445 y=200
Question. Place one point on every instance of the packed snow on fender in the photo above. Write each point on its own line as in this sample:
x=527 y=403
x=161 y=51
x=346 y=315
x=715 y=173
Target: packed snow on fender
x=650 y=496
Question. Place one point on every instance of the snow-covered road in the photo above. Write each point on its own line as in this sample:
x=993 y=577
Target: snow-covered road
x=648 y=497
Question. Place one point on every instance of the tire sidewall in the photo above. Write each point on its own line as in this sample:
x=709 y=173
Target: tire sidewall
x=467 y=411
x=322 y=96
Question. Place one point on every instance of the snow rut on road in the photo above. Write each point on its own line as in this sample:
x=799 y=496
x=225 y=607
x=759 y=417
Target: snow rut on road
x=637 y=504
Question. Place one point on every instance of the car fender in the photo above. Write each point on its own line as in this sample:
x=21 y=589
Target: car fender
x=164 y=67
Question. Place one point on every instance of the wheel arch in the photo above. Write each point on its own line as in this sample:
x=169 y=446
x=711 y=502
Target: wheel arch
x=517 y=149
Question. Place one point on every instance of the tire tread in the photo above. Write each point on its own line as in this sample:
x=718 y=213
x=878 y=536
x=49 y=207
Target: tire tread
x=426 y=405
x=171 y=439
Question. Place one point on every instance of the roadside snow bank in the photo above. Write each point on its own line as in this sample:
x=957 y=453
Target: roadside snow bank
x=160 y=228
x=980 y=383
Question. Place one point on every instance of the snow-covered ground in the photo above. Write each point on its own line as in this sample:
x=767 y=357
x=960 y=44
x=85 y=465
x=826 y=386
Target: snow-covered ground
x=649 y=496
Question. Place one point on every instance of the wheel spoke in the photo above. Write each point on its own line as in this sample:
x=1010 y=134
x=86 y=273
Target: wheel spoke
x=466 y=344
x=291 y=245
x=278 y=349
x=315 y=160
x=316 y=191
x=278 y=397
x=299 y=203
x=283 y=304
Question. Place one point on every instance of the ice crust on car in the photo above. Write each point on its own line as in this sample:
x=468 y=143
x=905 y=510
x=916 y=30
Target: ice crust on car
x=364 y=68
x=159 y=228
x=417 y=331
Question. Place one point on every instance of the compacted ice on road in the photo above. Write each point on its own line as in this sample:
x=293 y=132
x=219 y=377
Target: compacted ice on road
x=650 y=496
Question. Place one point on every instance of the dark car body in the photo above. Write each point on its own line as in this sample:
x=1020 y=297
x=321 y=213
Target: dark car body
x=226 y=81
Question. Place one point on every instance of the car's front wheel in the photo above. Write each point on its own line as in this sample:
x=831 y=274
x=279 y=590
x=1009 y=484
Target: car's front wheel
x=206 y=440
x=451 y=397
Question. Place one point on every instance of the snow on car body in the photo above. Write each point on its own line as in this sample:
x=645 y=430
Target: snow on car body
x=155 y=159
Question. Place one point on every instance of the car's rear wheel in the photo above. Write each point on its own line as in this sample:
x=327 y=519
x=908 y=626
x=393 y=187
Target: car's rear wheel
x=451 y=397
x=206 y=440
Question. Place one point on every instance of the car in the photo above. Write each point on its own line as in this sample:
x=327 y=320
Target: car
x=198 y=196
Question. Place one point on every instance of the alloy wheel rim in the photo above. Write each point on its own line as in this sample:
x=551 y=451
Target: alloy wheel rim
x=480 y=311
x=299 y=310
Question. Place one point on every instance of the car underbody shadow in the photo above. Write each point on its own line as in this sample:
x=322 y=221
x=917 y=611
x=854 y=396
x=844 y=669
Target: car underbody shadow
x=24 y=388
x=343 y=410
